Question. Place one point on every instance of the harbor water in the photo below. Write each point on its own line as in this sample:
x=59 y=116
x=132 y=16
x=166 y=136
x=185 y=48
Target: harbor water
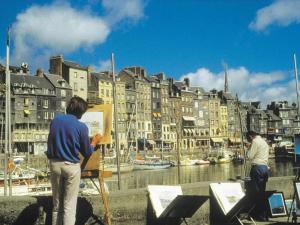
x=190 y=174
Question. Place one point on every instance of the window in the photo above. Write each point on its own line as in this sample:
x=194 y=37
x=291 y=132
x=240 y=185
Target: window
x=63 y=104
x=63 y=93
x=45 y=103
x=51 y=115
x=75 y=87
x=75 y=74
x=45 y=115
x=26 y=101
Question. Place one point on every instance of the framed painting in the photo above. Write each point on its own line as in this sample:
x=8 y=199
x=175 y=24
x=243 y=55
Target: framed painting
x=277 y=205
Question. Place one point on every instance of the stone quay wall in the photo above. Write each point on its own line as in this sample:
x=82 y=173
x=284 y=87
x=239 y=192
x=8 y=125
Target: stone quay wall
x=130 y=207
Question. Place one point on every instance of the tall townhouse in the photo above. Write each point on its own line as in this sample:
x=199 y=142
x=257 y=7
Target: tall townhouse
x=73 y=73
x=135 y=78
x=161 y=112
x=288 y=115
x=167 y=137
x=175 y=116
x=202 y=120
x=257 y=119
x=131 y=121
x=188 y=115
x=122 y=114
x=215 y=119
x=35 y=100
x=104 y=84
x=224 y=122
x=274 y=130
x=156 y=113
x=232 y=113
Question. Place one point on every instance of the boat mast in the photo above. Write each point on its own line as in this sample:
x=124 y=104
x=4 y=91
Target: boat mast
x=241 y=130
x=297 y=92
x=116 y=136
x=7 y=121
x=296 y=79
x=136 y=125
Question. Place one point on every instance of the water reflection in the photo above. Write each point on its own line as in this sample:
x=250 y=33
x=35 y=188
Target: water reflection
x=191 y=174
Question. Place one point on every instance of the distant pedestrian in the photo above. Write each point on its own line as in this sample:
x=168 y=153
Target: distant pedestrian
x=67 y=138
x=259 y=173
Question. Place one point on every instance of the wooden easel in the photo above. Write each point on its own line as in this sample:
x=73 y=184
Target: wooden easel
x=88 y=171
x=93 y=167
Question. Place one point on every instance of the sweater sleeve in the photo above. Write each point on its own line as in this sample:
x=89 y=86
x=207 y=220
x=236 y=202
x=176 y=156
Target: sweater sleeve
x=253 y=150
x=86 y=149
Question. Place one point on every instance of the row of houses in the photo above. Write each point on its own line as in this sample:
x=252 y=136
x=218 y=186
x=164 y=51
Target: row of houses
x=158 y=111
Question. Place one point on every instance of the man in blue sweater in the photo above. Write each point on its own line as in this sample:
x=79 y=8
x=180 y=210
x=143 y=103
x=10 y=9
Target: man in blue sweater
x=67 y=138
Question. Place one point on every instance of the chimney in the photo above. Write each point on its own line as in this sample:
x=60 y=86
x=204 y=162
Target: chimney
x=40 y=72
x=56 y=64
x=24 y=68
x=186 y=81
x=90 y=69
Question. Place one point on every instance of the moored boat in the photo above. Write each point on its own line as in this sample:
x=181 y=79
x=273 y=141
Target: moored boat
x=202 y=162
x=140 y=164
x=124 y=167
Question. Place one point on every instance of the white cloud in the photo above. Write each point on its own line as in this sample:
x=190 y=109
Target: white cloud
x=281 y=13
x=104 y=65
x=58 y=28
x=118 y=10
x=249 y=86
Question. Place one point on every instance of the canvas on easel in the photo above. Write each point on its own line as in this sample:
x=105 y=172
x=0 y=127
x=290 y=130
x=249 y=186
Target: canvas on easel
x=98 y=119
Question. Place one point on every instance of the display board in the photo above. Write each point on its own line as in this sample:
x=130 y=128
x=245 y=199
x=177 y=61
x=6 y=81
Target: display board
x=161 y=196
x=227 y=195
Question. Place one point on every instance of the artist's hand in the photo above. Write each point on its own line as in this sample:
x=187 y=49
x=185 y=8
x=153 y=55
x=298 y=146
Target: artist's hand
x=96 y=139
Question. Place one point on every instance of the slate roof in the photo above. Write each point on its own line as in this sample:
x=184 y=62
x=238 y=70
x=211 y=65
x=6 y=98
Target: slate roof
x=56 y=81
x=74 y=65
x=35 y=81
x=272 y=116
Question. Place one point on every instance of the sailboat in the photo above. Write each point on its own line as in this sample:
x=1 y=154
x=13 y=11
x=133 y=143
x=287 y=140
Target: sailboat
x=151 y=164
x=109 y=164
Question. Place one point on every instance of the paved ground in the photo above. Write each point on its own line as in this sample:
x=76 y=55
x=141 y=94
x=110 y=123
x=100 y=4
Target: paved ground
x=273 y=221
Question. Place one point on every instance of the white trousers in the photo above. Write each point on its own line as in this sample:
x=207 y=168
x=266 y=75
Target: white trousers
x=65 y=180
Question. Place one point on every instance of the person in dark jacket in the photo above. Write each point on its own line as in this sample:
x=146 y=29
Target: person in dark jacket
x=67 y=138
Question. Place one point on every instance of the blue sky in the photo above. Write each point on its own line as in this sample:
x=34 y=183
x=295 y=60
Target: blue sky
x=191 y=38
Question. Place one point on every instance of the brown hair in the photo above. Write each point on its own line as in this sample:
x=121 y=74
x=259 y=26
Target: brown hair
x=77 y=107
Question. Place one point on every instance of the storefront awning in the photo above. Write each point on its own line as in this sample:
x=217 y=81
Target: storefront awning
x=155 y=114
x=189 y=118
x=186 y=130
x=158 y=115
x=235 y=140
x=217 y=139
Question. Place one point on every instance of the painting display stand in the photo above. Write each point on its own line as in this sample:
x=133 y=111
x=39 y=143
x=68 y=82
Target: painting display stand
x=170 y=206
x=295 y=197
x=88 y=166
x=229 y=203
x=182 y=207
